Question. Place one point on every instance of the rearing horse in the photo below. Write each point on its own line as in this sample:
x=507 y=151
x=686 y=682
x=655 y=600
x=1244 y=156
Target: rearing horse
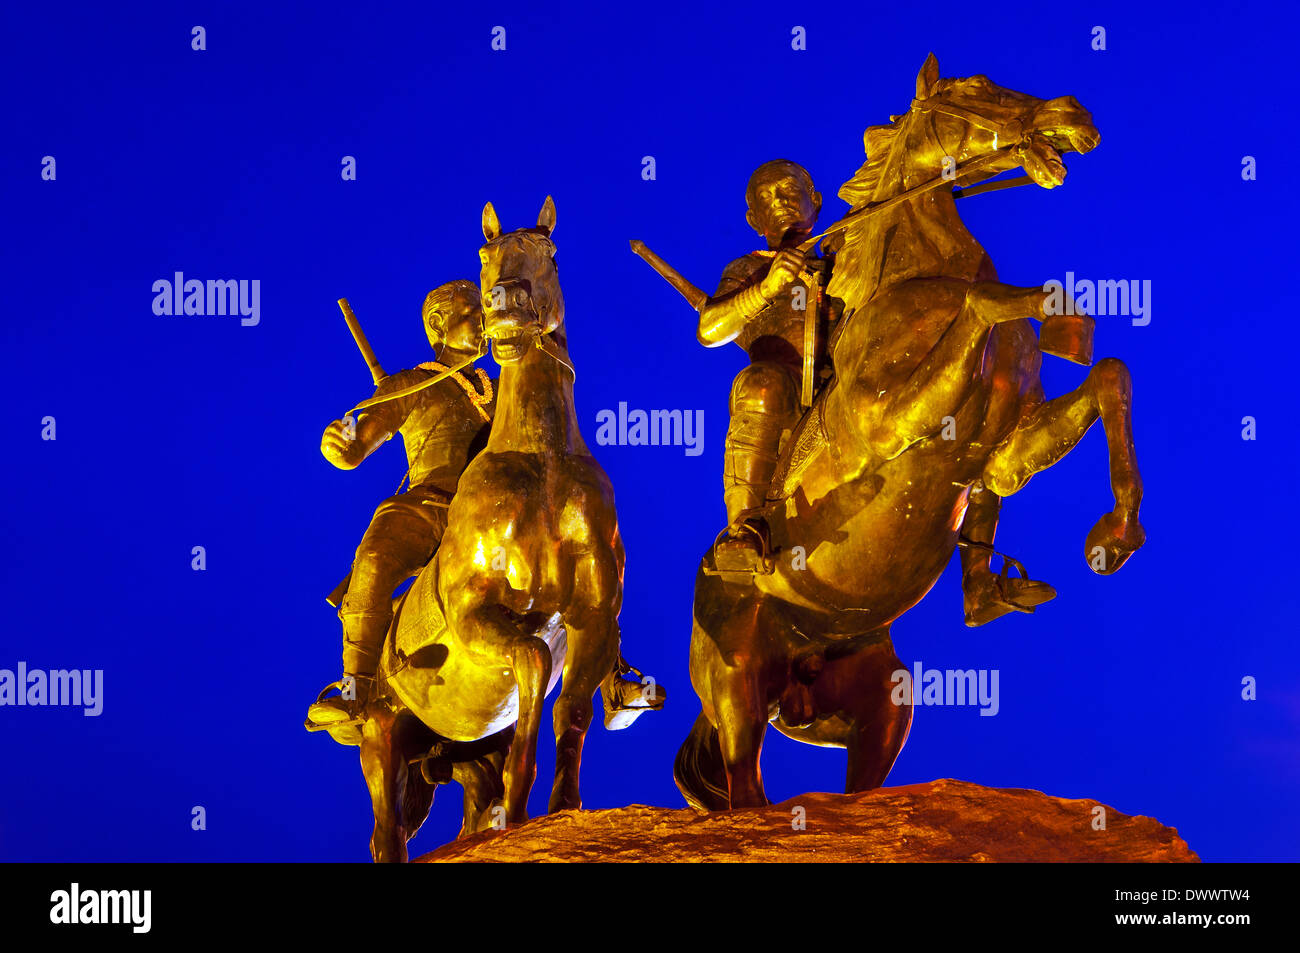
x=931 y=345
x=527 y=583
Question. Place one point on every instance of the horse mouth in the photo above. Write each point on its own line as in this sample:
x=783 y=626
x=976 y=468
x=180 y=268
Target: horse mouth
x=1042 y=162
x=1072 y=137
x=510 y=344
x=1061 y=126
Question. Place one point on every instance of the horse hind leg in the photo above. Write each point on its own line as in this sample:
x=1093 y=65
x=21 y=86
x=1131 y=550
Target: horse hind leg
x=482 y=783
x=590 y=655
x=1054 y=429
x=385 y=755
x=866 y=712
x=741 y=712
x=699 y=771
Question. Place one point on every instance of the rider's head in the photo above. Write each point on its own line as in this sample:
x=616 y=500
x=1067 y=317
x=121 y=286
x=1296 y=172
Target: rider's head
x=453 y=317
x=783 y=204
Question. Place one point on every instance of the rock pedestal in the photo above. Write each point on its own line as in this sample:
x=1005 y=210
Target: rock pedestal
x=943 y=820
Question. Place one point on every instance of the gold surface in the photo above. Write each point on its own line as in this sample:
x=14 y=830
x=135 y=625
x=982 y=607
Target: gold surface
x=525 y=587
x=934 y=413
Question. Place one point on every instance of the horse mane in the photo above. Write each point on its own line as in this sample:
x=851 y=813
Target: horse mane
x=878 y=142
x=864 y=259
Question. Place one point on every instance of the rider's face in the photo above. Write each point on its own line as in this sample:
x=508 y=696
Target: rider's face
x=784 y=204
x=461 y=322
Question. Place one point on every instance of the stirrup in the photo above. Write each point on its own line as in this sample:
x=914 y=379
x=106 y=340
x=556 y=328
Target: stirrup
x=325 y=717
x=762 y=561
x=1046 y=592
x=618 y=718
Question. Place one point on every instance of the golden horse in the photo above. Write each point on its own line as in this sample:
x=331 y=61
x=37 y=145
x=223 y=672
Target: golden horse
x=867 y=504
x=525 y=589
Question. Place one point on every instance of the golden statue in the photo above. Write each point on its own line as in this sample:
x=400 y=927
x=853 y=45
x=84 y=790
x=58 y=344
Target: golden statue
x=440 y=427
x=510 y=530
x=920 y=374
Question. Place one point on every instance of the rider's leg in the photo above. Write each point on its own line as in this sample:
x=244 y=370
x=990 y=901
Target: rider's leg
x=986 y=595
x=399 y=541
x=764 y=404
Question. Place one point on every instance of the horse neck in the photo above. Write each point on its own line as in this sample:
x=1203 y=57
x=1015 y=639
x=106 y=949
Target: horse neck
x=535 y=410
x=920 y=238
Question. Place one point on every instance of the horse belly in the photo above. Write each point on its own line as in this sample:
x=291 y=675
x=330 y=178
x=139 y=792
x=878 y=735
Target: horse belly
x=883 y=540
x=446 y=687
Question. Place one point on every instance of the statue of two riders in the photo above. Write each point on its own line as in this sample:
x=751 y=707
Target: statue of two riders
x=891 y=400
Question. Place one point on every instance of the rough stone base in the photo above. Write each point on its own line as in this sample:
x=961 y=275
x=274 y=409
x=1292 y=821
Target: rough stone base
x=944 y=820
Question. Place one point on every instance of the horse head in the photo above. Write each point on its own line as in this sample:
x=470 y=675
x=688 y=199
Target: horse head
x=520 y=285
x=966 y=130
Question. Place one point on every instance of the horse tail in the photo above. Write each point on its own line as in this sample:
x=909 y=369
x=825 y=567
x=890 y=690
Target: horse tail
x=417 y=799
x=699 y=770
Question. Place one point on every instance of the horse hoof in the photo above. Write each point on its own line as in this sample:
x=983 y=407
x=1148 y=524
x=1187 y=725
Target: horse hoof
x=1111 y=542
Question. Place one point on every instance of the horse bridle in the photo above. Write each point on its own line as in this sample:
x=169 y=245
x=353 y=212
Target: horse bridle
x=1014 y=130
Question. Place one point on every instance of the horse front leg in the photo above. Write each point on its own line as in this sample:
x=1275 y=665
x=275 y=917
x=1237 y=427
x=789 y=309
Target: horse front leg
x=1054 y=429
x=487 y=632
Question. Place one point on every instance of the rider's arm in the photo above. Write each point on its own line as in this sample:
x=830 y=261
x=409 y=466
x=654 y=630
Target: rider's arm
x=346 y=447
x=738 y=300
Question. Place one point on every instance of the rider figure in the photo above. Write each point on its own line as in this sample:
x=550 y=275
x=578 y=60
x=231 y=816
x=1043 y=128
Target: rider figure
x=762 y=303
x=442 y=426
x=767 y=302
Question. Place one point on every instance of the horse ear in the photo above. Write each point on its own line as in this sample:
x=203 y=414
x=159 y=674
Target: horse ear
x=546 y=218
x=928 y=76
x=491 y=224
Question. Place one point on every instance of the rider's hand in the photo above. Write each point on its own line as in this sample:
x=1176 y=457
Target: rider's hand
x=786 y=266
x=339 y=445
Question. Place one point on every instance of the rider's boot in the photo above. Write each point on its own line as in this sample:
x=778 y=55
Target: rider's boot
x=627 y=698
x=987 y=595
x=364 y=629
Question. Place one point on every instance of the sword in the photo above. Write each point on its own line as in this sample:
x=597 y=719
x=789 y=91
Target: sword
x=692 y=294
x=359 y=336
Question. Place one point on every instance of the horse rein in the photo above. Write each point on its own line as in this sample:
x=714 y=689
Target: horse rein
x=1014 y=129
